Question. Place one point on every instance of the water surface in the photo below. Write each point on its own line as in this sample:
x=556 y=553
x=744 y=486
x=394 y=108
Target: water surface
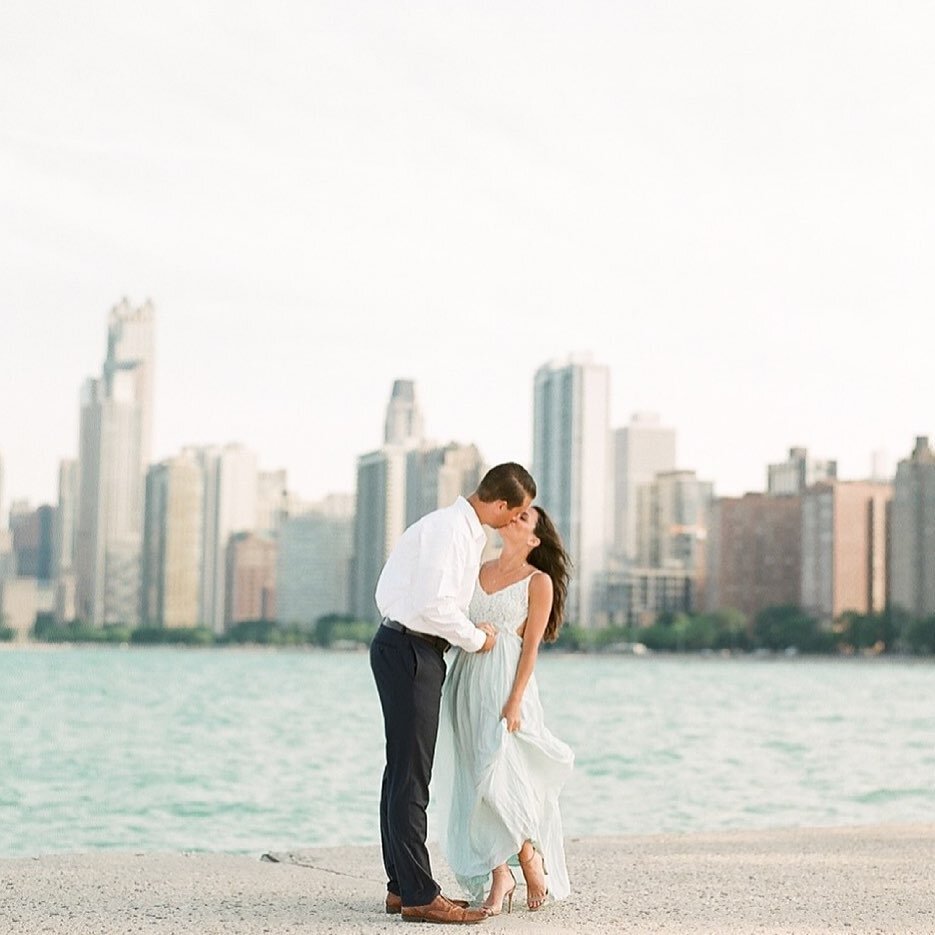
x=162 y=749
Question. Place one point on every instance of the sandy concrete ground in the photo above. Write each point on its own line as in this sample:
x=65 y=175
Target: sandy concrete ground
x=850 y=880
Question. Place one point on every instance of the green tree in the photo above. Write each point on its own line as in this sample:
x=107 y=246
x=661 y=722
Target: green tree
x=658 y=638
x=324 y=628
x=899 y=623
x=699 y=632
x=732 y=631
x=865 y=631
x=182 y=636
x=571 y=638
x=782 y=627
x=45 y=623
x=352 y=631
x=921 y=636
x=264 y=632
x=77 y=631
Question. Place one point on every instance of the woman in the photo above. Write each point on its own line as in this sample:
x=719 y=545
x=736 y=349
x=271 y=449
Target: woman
x=501 y=769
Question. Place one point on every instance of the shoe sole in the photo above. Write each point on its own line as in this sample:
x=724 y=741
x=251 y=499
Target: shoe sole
x=446 y=921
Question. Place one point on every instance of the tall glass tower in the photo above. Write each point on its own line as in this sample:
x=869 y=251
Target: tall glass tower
x=403 y=415
x=571 y=465
x=642 y=449
x=114 y=447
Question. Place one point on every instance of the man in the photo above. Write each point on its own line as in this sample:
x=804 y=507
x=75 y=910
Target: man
x=423 y=594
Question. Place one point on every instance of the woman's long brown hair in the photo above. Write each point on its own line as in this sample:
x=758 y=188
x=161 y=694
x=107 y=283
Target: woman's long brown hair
x=550 y=556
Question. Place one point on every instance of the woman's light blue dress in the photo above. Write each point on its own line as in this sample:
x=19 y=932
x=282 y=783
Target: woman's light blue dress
x=496 y=789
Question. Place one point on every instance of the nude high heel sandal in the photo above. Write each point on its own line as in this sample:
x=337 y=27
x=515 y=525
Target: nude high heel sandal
x=507 y=896
x=534 y=903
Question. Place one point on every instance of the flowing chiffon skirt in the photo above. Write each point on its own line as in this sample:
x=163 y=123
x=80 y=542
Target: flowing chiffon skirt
x=497 y=789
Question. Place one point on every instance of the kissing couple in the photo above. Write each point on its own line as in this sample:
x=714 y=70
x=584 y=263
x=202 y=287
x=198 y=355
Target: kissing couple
x=500 y=769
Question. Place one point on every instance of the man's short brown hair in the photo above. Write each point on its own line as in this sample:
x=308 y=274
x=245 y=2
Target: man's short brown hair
x=510 y=482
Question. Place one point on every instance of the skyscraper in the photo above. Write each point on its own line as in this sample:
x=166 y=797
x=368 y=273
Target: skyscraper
x=66 y=514
x=379 y=520
x=798 y=472
x=130 y=347
x=403 y=415
x=380 y=511
x=437 y=476
x=114 y=444
x=844 y=547
x=673 y=514
x=172 y=543
x=667 y=571
x=912 y=562
x=33 y=531
x=7 y=564
x=273 y=501
x=754 y=556
x=571 y=467
x=313 y=574
x=230 y=506
x=642 y=449
x=251 y=578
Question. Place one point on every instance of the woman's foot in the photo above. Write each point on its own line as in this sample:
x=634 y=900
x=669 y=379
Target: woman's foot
x=502 y=887
x=533 y=867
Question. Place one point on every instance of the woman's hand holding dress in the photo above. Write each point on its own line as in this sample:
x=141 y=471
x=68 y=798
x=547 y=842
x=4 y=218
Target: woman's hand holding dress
x=510 y=714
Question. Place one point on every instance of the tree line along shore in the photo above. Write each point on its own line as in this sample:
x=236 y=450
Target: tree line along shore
x=785 y=629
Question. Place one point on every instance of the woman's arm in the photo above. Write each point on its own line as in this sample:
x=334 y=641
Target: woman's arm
x=540 y=606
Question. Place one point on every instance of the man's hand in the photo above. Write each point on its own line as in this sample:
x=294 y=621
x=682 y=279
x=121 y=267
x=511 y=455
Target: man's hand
x=488 y=628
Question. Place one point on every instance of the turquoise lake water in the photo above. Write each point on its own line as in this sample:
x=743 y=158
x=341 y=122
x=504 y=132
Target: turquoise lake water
x=247 y=751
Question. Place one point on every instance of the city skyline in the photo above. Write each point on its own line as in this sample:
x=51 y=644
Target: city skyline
x=730 y=204
x=877 y=458
x=211 y=542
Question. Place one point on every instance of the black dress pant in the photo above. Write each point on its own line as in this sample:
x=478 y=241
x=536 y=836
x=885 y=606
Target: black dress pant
x=409 y=673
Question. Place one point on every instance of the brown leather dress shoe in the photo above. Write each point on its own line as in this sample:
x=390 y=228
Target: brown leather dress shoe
x=444 y=912
x=394 y=904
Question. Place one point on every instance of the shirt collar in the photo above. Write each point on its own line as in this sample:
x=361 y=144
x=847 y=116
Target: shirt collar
x=470 y=515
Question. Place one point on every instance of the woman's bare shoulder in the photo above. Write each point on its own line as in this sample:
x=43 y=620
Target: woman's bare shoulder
x=540 y=584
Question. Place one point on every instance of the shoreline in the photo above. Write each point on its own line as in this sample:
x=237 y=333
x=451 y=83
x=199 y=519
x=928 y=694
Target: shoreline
x=700 y=655
x=862 y=879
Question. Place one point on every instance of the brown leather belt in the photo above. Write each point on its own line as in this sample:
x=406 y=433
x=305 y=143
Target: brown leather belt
x=435 y=641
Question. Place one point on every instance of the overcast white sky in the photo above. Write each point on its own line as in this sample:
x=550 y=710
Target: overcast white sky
x=732 y=204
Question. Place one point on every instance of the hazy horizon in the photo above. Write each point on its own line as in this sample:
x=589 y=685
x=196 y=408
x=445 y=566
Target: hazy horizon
x=729 y=205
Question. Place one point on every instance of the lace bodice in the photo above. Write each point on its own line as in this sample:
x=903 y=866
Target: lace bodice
x=506 y=609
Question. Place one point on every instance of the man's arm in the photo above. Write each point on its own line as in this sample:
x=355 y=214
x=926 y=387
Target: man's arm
x=438 y=583
x=447 y=620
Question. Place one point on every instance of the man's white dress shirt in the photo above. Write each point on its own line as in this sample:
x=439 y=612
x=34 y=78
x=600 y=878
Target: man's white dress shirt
x=428 y=580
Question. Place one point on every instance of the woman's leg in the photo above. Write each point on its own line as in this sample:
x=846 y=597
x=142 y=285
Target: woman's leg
x=533 y=867
x=501 y=887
